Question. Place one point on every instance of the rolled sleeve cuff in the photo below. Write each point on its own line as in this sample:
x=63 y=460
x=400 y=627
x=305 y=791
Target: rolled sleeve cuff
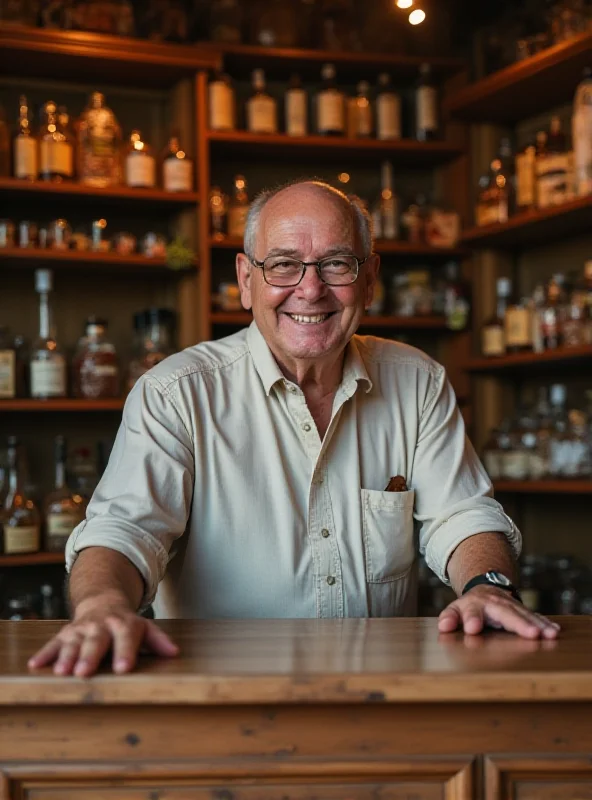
x=463 y=524
x=145 y=552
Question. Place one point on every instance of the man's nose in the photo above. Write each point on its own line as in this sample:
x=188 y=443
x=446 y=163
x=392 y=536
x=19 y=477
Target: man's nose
x=311 y=286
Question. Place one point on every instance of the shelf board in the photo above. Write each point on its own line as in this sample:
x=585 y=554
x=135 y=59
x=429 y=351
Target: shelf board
x=564 y=357
x=118 y=195
x=280 y=63
x=67 y=55
x=61 y=404
x=403 y=152
x=399 y=323
x=533 y=228
x=544 y=487
x=32 y=559
x=525 y=88
x=31 y=257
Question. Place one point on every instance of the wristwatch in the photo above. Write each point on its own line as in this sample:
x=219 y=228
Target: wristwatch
x=493 y=578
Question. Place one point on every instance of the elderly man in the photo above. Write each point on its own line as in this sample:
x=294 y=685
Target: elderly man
x=278 y=472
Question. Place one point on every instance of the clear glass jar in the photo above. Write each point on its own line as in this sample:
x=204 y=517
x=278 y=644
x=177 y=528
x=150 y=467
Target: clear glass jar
x=154 y=341
x=95 y=367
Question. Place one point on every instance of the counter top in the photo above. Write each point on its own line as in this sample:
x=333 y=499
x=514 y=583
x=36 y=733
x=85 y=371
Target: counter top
x=309 y=661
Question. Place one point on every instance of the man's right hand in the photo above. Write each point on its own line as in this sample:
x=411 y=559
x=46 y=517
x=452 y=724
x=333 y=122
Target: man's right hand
x=98 y=627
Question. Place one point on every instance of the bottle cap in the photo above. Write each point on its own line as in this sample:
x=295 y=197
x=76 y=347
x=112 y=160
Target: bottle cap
x=43 y=280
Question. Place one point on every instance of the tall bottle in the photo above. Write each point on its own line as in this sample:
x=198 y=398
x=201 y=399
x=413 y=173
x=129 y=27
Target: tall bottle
x=25 y=145
x=426 y=106
x=388 y=204
x=99 y=149
x=581 y=128
x=296 y=108
x=493 y=339
x=525 y=164
x=261 y=107
x=553 y=169
x=56 y=148
x=21 y=518
x=518 y=326
x=47 y=364
x=64 y=509
x=363 y=117
x=388 y=110
x=222 y=103
x=238 y=208
x=553 y=314
x=330 y=104
x=140 y=165
x=177 y=168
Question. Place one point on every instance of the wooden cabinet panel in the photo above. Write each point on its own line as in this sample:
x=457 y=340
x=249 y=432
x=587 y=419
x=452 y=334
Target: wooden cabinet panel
x=524 y=778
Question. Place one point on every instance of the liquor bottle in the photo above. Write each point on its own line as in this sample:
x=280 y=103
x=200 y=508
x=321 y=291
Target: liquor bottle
x=177 y=168
x=525 y=165
x=64 y=509
x=21 y=519
x=7 y=365
x=26 y=151
x=388 y=204
x=493 y=341
x=426 y=106
x=261 y=107
x=494 y=199
x=47 y=364
x=388 y=110
x=50 y=603
x=222 y=103
x=99 y=145
x=581 y=127
x=553 y=314
x=330 y=105
x=238 y=209
x=296 y=108
x=518 y=326
x=95 y=366
x=553 y=169
x=56 y=149
x=140 y=165
x=457 y=302
x=4 y=145
x=363 y=110
x=218 y=203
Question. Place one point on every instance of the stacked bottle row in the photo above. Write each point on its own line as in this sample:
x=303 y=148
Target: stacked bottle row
x=90 y=150
x=545 y=441
x=558 y=314
x=368 y=114
x=546 y=172
x=41 y=371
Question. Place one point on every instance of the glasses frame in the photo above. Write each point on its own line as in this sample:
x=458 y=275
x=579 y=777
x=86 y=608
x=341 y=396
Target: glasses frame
x=317 y=264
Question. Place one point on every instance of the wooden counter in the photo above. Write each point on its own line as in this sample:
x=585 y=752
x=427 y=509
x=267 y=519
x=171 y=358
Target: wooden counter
x=354 y=709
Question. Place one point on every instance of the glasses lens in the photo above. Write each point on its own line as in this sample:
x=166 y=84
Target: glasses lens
x=281 y=271
x=339 y=270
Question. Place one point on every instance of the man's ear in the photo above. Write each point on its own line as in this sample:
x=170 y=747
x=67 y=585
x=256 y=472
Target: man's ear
x=372 y=268
x=244 y=270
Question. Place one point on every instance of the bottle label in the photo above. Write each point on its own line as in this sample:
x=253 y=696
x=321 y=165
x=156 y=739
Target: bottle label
x=261 y=114
x=427 y=114
x=388 y=112
x=56 y=158
x=177 y=175
x=25 y=157
x=525 y=179
x=103 y=371
x=296 y=112
x=492 y=341
x=582 y=144
x=48 y=378
x=554 y=179
x=364 y=120
x=518 y=328
x=140 y=171
x=330 y=111
x=237 y=220
x=21 y=540
x=61 y=525
x=7 y=373
x=221 y=106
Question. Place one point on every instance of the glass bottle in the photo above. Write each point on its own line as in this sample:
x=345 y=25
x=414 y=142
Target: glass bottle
x=493 y=340
x=50 y=603
x=64 y=509
x=388 y=204
x=99 y=145
x=218 y=202
x=154 y=329
x=537 y=305
x=574 y=323
x=457 y=298
x=21 y=608
x=25 y=145
x=140 y=165
x=581 y=127
x=426 y=106
x=553 y=314
x=558 y=444
x=578 y=463
x=540 y=459
x=388 y=110
x=518 y=326
x=529 y=583
x=4 y=145
x=363 y=118
x=525 y=164
x=492 y=456
x=22 y=522
x=553 y=169
x=238 y=209
x=261 y=107
x=330 y=105
x=47 y=364
x=296 y=108
x=56 y=149
x=7 y=365
x=95 y=366
x=177 y=168
x=222 y=103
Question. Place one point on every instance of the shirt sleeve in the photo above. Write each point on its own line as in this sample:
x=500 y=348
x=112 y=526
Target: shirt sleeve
x=453 y=494
x=143 y=500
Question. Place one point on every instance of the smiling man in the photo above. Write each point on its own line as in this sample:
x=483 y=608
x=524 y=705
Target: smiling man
x=284 y=470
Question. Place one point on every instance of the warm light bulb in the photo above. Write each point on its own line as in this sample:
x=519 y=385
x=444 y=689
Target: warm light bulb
x=343 y=177
x=416 y=17
x=404 y=3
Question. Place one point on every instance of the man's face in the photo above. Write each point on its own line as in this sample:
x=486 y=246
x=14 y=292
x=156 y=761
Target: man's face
x=311 y=321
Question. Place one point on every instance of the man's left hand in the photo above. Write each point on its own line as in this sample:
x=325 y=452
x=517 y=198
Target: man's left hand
x=487 y=606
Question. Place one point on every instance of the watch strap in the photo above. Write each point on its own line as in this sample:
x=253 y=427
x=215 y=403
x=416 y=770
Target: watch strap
x=483 y=580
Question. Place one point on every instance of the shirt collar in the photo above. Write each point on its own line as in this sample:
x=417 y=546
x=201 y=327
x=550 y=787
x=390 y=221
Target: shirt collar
x=354 y=369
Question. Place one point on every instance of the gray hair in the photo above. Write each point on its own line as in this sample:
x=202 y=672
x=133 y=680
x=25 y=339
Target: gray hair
x=359 y=212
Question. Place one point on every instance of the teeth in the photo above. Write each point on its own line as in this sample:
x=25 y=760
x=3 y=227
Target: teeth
x=309 y=319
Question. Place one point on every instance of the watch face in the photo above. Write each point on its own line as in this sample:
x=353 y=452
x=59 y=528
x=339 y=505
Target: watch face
x=498 y=578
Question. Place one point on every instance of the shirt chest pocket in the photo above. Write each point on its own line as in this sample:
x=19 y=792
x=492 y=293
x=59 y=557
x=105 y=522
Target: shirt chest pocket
x=388 y=534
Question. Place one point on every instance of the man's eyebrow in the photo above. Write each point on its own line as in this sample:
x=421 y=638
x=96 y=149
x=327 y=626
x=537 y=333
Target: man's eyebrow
x=343 y=250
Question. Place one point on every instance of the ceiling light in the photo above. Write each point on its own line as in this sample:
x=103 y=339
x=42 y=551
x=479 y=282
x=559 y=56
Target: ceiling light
x=416 y=17
x=404 y=3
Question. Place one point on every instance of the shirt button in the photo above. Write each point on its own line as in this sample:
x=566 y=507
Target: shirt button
x=330 y=580
x=306 y=427
x=325 y=533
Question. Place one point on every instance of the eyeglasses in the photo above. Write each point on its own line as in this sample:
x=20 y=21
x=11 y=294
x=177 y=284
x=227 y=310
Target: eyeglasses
x=339 y=270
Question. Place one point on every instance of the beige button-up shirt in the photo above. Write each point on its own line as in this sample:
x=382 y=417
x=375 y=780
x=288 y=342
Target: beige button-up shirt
x=221 y=493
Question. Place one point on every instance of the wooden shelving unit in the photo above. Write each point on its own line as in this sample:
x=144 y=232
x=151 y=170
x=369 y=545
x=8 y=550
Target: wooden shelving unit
x=61 y=404
x=31 y=559
x=562 y=357
x=399 y=323
x=32 y=257
x=544 y=487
